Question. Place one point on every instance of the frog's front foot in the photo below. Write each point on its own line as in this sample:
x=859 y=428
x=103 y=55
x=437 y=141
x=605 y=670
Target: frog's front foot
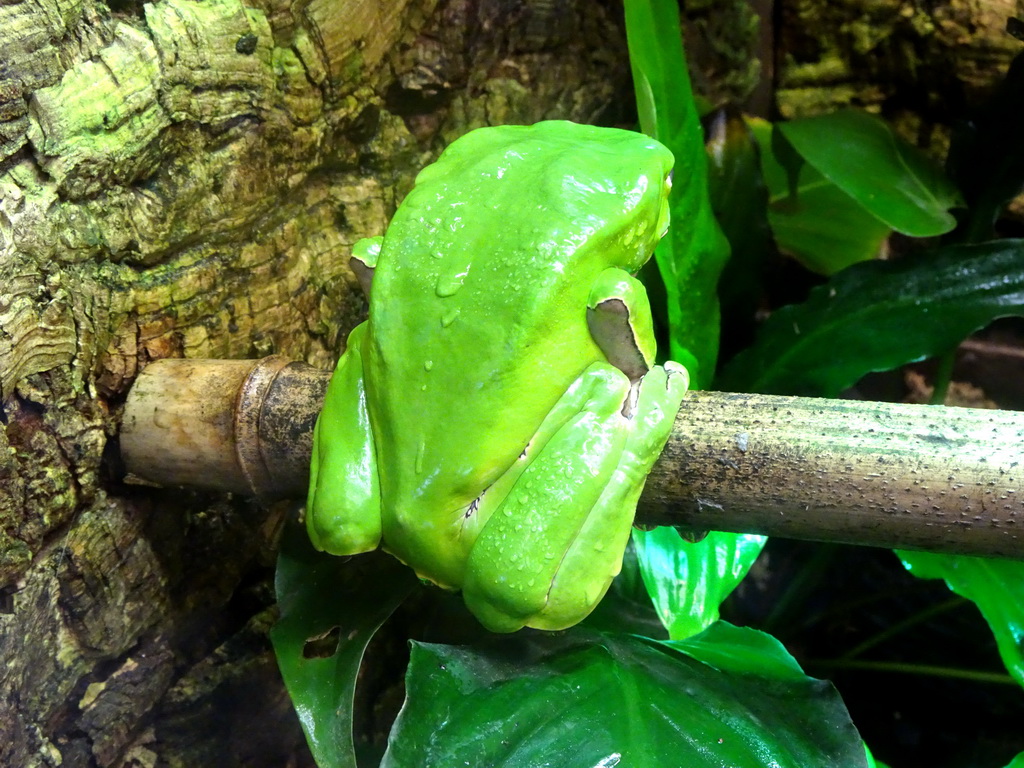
x=343 y=507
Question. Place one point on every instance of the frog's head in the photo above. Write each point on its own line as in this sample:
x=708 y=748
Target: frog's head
x=614 y=184
x=645 y=216
x=596 y=196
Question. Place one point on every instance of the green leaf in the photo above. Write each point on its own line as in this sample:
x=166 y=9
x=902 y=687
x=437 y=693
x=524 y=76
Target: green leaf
x=690 y=258
x=688 y=581
x=743 y=651
x=820 y=226
x=872 y=762
x=893 y=180
x=878 y=315
x=739 y=199
x=583 y=699
x=995 y=586
x=1017 y=762
x=330 y=609
x=790 y=161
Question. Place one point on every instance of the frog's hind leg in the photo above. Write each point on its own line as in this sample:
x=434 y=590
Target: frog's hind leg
x=597 y=550
x=343 y=513
x=522 y=544
x=547 y=554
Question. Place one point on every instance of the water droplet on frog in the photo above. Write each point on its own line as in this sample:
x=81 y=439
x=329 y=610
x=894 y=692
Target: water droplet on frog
x=420 y=452
x=449 y=317
x=449 y=284
x=428 y=365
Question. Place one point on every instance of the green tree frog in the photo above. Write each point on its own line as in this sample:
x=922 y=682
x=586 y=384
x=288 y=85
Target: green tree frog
x=493 y=422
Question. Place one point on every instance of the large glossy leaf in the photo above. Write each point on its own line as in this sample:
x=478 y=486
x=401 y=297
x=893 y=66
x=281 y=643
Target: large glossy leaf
x=733 y=698
x=995 y=586
x=690 y=258
x=878 y=315
x=1017 y=762
x=889 y=177
x=330 y=609
x=688 y=581
x=815 y=222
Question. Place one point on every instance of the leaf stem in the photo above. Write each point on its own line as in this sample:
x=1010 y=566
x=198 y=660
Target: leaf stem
x=902 y=626
x=943 y=376
x=800 y=586
x=912 y=669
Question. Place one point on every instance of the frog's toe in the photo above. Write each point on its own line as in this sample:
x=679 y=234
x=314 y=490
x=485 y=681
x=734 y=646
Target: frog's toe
x=493 y=615
x=665 y=385
x=677 y=379
x=338 y=529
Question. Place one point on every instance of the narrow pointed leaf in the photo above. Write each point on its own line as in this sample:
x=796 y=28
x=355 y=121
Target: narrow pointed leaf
x=742 y=650
x=690 y=258
x=892 y=179
x=878 y=315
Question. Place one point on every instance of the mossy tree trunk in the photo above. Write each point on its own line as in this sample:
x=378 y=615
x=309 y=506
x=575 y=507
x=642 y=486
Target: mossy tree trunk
x=923 y=65
x=185 y=178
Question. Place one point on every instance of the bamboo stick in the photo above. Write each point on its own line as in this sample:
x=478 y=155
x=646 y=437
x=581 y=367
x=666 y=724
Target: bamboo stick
x=883 y=474
x=243 y=426
x=880 y=474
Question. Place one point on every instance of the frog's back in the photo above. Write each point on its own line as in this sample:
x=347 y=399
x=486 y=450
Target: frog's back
x=478 y=320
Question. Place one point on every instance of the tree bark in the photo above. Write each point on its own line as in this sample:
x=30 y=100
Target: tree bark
x=185 y=179
x=921 y=65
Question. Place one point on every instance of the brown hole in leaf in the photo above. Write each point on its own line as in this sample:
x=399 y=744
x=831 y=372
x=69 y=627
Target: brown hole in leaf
x=322 y=646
